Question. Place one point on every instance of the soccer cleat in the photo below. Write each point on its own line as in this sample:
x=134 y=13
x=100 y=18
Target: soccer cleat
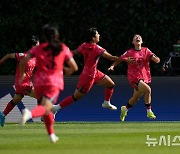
x=26 y=115
x=151 y=115
x=55 y=108
x=53 y=138
x=123 y=113
x=109 y=106
x=2 y=119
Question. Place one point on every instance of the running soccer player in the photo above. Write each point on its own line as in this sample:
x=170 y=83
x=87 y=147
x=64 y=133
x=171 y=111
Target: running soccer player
x=26 y=87
x=90 y=74
x=48 y=78
x=139 y=75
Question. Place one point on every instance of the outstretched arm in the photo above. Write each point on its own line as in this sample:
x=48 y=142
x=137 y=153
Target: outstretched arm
x=113 y=65
x=109 y=56
x=6 y=57
x=129 y=60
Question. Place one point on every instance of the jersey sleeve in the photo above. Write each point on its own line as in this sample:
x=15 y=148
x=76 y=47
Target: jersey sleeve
x=149 y=54
x=124 y=56
x=100 y=50
x=79 y=49
x=68 y=54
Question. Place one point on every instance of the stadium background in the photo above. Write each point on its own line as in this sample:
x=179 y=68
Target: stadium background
x=165 y=101
x=117 y=21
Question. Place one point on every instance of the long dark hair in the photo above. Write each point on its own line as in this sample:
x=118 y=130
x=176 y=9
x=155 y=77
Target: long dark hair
x=32 y=41
x=51 y=35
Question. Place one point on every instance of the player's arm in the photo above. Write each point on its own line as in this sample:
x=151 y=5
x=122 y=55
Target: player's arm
x=22 y=66
x=72 y=67
x=155 y=58
x=107 y=55
x=113 y=65
x=6 y=57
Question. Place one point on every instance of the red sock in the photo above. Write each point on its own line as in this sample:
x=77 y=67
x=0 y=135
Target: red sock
x=38 y=111
x=108 y=93
x=9 y=107
x=67 y=101
x=49 y=122
x=128 y=106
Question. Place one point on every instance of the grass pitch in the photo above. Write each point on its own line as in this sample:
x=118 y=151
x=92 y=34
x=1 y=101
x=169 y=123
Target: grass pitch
x=90 y=138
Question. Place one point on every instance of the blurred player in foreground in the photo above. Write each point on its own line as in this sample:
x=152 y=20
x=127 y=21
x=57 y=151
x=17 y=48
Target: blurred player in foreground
x=90 y=75
x=48 y=78
x=139 y=75
x=25 y=88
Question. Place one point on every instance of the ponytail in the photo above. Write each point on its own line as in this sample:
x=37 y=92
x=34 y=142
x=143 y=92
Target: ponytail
x=51 y=35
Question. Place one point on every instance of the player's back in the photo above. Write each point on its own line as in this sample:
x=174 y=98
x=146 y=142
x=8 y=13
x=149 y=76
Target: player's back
x=49 y=68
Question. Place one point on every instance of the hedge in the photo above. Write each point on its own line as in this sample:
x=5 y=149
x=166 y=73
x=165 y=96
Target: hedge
x=117 y=21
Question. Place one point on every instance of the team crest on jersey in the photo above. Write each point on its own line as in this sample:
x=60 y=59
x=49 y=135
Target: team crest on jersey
x=21 y=54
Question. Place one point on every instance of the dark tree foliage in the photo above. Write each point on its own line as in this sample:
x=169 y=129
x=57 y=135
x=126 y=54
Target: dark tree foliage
x=117 y=21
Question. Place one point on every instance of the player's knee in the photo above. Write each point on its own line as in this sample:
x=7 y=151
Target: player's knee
x=14 y=103
x=148 y=90
x=111 y=85
x=75 y=98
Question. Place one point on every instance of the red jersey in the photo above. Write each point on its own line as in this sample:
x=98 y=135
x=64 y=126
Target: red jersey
x=140 y=69
x=91 y=53
x=49 y=69
x=29 y=67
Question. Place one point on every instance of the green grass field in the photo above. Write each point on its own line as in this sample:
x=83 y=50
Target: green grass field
x=89 y=138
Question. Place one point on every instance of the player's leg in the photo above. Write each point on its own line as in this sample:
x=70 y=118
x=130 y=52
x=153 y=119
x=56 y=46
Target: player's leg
x=147 y=98
x=132 y=101
x=107 y=82
x=83 y=87
x=46 y=95
x=49 y=122
x=68 y=100
x=43 y=109
x=32 y=93
x=9 y=107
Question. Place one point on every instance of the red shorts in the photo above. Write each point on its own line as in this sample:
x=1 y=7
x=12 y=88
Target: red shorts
x=85 y=83
x=135 y=84
x=49 y=92
x=23 y=90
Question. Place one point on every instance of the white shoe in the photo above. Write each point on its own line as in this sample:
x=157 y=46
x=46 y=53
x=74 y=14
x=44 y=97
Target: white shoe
x=53 y=138
x=26 y=115
x=109 y=105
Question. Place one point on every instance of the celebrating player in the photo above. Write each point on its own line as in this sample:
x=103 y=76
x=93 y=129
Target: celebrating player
x=25 y=88
x=90 y=74
x=139 y=75
x=48 y=78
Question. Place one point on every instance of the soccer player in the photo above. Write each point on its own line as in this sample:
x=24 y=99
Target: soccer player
x=90 y=74
x=139 y=75
x=48 y=79
x=25 y=88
